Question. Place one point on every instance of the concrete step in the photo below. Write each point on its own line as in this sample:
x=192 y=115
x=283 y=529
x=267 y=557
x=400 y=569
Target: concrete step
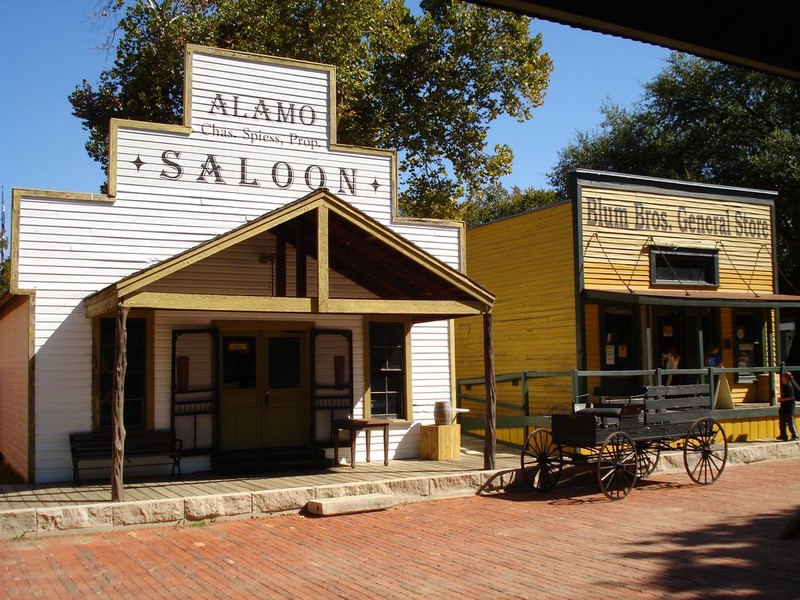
x=345 y=505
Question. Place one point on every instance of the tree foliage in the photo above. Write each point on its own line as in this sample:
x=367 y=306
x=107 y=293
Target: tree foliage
x=428 y=85
x=700 y=120
x=495 y=202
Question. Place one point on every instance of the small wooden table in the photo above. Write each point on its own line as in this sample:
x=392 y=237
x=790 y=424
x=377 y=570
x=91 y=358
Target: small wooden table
x=354 y=426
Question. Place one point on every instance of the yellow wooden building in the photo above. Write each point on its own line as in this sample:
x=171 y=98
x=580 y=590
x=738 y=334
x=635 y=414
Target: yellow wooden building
x=634 y=280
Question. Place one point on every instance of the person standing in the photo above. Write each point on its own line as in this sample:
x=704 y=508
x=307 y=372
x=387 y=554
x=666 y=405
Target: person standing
x=786 y=411
x=714 y=357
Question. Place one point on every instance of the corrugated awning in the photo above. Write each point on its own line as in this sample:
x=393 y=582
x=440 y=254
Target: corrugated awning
x=695 y=298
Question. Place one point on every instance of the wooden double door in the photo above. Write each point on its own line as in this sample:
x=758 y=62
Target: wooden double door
x=265 y=399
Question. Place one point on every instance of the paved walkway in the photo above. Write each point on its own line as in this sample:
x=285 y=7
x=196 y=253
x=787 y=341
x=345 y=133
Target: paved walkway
x=667 y=539
x=44 y=510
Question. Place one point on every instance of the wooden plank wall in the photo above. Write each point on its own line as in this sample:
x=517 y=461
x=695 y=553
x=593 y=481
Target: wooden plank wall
x=14 y=384
x=619 y=226
x=534 y=314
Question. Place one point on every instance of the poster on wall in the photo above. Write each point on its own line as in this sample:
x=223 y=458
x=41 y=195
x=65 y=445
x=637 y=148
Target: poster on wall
x=610 y=354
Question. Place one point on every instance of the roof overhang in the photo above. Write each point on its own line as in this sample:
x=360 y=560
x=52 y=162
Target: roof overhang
x=760 y=37
x=403 y=278
x=695 y=298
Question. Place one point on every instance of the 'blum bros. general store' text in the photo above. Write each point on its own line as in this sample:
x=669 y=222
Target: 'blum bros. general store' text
x=738 y=223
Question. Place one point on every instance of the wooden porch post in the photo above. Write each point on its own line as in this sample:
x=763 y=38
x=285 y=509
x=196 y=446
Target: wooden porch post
x=118 y=398
x=489 y=439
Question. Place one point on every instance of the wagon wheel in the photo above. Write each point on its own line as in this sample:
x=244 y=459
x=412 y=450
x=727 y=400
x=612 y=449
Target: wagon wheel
x=705 y=451
x=647 y=456
x=616 y=466
x=541 y=461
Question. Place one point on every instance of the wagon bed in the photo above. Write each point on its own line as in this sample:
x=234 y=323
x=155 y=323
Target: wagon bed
x=624 y=434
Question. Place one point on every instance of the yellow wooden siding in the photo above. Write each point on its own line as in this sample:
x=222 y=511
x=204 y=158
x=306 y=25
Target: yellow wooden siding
x=616 y=244
x=534 y=320
x=591 y=315
x=749 y=429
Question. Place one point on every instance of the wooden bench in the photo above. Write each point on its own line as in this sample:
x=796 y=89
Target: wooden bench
x=138 y=443
x=676 y=403
x=649 y=405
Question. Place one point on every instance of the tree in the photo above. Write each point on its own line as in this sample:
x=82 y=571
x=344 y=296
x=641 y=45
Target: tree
x=495 y=202
x=427 y=85
x=704 y=121
x=4 y=273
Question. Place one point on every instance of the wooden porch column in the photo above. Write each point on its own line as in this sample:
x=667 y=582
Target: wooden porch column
x=323 y=260
x=118 y=398
x=489 y=439
x=280 y=265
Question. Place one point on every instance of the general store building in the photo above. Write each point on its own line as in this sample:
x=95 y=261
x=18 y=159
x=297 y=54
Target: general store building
x=594 y=293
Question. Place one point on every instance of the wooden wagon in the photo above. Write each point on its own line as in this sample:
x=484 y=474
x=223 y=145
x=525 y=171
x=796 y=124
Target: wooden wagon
x=624 y=434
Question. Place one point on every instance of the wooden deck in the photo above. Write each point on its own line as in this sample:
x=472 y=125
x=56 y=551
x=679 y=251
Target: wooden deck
x=22 y=496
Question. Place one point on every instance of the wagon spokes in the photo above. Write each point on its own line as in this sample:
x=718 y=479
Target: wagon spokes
x=617 y=466
x=705 y=451
x=647 y=456
x=541 y=461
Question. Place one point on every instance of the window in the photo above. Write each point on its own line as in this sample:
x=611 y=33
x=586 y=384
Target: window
x=135 y=374
x=387 y=369
x=684 y=266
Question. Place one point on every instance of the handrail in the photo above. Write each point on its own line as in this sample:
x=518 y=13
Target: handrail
x=579 y=377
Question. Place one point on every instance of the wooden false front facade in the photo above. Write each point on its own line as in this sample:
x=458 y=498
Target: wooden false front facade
x=599 y=290
x=268 y=283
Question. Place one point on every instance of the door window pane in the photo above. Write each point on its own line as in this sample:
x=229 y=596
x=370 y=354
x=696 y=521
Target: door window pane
x=284 y=362
x=238 y=362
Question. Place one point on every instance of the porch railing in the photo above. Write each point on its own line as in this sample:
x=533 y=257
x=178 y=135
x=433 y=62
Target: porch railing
x=517 y=410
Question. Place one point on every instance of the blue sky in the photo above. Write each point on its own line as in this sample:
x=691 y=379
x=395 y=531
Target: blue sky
x=45 y=53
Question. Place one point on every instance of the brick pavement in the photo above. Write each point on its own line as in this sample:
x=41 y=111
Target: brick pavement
x=667 y=539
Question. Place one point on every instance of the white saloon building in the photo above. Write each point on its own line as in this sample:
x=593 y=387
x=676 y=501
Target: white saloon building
x=268 y=283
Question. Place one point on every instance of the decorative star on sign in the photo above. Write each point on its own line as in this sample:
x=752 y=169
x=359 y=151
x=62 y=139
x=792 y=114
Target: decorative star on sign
x=138 y=162
x=375 y=185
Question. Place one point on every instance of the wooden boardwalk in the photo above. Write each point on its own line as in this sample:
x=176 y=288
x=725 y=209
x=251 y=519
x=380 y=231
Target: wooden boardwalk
x=23 y=496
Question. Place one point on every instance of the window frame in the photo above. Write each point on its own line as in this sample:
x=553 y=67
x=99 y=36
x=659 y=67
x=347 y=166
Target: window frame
x=710 y=256
x=148 y=401
x=406 y=402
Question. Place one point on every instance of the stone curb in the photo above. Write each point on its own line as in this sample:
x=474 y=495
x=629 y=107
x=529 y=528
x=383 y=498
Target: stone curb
x=42 y=522
x=90 y=518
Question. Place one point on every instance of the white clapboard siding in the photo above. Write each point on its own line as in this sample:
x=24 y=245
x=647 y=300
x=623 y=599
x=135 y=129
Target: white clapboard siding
x=440 y=241
x=69 y=248
x=14 y=387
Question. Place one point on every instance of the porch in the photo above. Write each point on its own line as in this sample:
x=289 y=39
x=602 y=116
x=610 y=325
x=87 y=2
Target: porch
x=467 y=468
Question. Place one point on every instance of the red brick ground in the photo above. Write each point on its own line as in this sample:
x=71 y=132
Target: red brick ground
x=667 y=539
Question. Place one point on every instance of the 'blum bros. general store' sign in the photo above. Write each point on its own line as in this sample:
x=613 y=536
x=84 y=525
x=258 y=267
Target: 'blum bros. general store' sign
x=699 y=218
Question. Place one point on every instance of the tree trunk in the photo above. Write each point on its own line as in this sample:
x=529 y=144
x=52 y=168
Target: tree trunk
x=489 y=440
x=118 y=398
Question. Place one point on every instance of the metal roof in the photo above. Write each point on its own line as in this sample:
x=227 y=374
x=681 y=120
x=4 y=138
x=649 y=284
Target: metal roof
x=758 y=36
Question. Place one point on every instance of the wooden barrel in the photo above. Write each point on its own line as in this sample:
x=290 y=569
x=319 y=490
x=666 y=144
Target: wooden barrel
x=442 y=415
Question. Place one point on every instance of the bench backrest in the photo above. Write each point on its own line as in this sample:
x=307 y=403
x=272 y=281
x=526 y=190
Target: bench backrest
x=676 y=403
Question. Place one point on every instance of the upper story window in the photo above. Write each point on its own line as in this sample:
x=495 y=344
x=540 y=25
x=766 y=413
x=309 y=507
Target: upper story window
x=684 y=266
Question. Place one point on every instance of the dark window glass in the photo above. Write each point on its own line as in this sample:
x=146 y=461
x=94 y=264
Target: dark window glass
x=135 y=373
x=284 y=363
x=683 y=266
x=387 y=369
x=239 y=362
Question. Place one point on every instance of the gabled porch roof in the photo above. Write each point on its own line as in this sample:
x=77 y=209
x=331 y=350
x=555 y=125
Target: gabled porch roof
x=403 y=278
